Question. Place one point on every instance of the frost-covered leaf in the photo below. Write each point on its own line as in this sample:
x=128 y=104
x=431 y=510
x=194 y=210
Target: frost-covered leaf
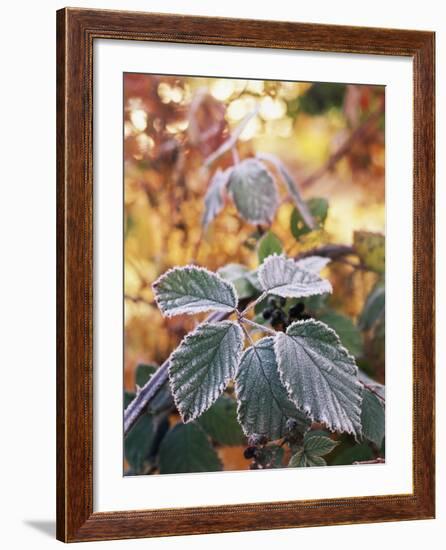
x=214 y=198
x=373 y=417
x=263 y=403
x=186 y=448
x=318 y=445
x=202 y=365
x=282 y=276
x=220 y=422
x=240 y=277
x=374 y=308
x=370 y=247
x=254 y=191
x=269 y=244
x=349 y=333
x=313 y=263
x=253 y=278
x=192 y=290
x=293 y=189
x=320 y=375
x=318 y=208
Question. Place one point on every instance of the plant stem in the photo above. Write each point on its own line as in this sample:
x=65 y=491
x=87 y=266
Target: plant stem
x=253 y=304
x=257 y=325
x=230 y=143
x=246 y=332
x=139 y=405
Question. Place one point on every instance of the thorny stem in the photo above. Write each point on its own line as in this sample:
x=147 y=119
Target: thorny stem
x=142 y=399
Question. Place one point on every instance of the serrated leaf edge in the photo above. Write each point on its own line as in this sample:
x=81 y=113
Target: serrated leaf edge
x=223 y=385
x=183 y=310
x=291 y=261
x=357 y=436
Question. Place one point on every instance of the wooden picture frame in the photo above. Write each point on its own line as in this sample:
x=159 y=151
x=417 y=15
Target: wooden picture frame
x=77 y=29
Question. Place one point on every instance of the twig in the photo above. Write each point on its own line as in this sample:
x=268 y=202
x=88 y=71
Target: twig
x=377 y=460
x=372 y=390
x=138 y=299
x=230 y=143
x=332 y=251
x=358 y=134
x=253 y=304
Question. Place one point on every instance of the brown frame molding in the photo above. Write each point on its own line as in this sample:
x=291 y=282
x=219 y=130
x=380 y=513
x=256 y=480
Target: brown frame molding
x=76 y=31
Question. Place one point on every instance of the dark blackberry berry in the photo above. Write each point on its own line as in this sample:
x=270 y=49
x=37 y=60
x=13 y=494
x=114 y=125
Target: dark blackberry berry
x=249 y=452
x=272 y=302
x=297 y=310
x=266 y=314
x=257 y=439
x=282 y=301
x=278 y=316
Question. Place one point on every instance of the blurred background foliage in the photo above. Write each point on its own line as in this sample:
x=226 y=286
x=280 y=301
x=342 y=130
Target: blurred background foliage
x=331 y=139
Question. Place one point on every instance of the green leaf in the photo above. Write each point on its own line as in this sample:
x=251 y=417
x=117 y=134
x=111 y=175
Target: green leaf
x=213 y=200
x=298 y=460
x=370 y=247
x=186 y=448
x=301 y=459
x=281 y=276
x=318 y=445
x=374 y=308
x=202 y=365
x=254 y=191
x=143 y=373
x=268 y=245
x=220 y=422
x=321 y=97
x=240 y=277
x=192 y=290
x=320 y=375
x=128 y=398
x=357 y=453
x=263 y=403
x=314 y=460
x=372 y=384
x=373 y=417
x=138 y=443
x=319 y=210
x=349 y=334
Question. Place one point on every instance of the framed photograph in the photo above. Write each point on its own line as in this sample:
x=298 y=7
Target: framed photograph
x=245 y=275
